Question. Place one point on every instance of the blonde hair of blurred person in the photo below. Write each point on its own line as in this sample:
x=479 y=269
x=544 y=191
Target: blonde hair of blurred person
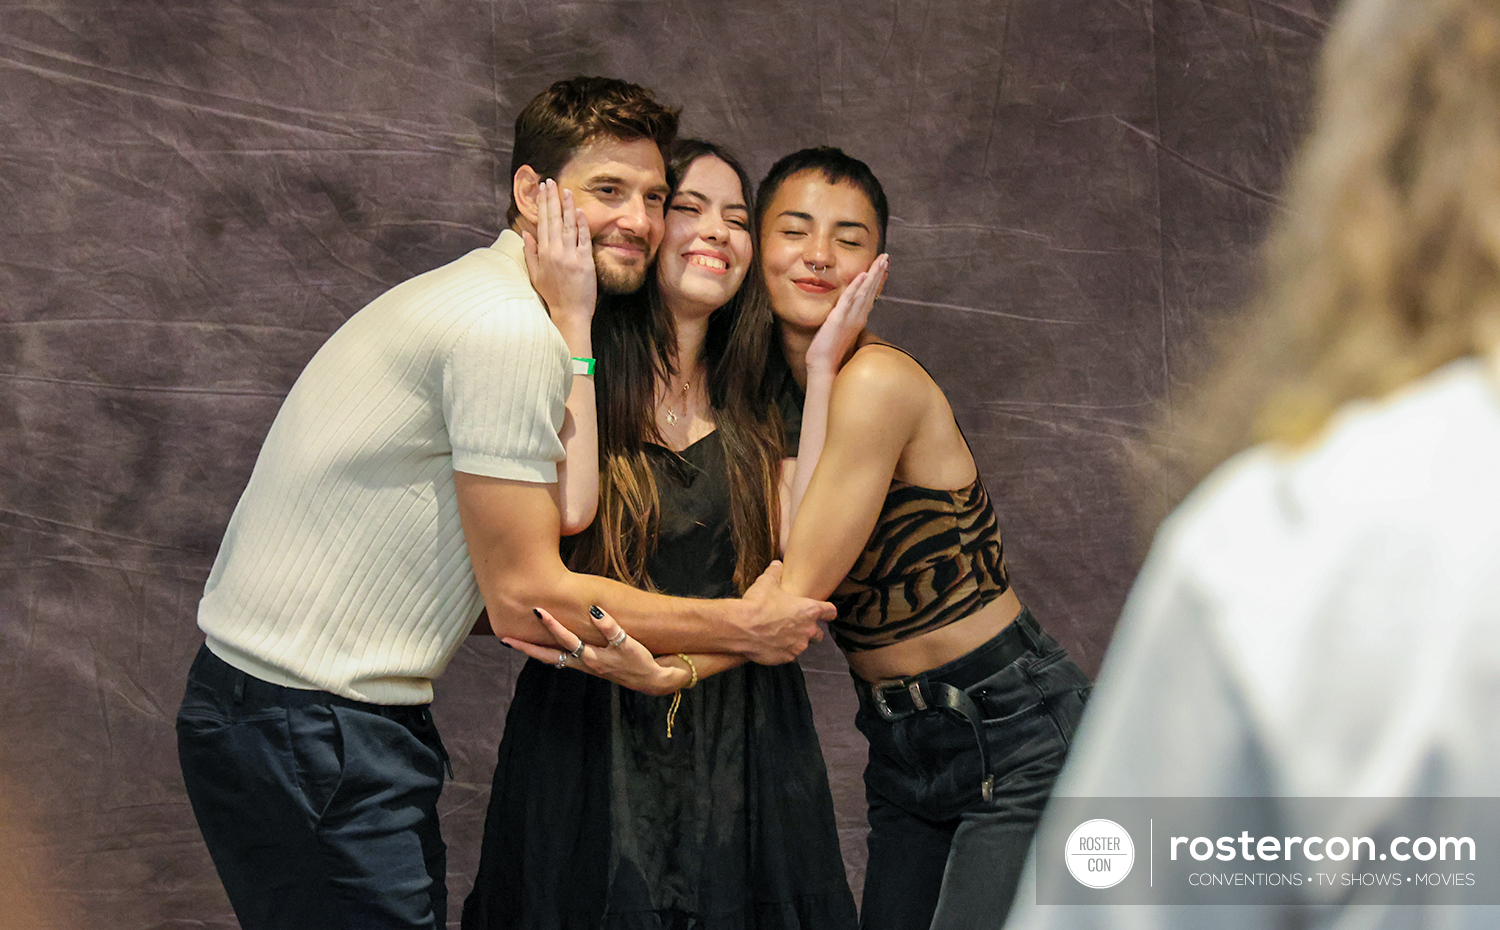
x=1385 y=264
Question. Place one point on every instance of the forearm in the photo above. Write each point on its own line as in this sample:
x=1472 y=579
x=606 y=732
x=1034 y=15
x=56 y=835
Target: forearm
x=625 y=661
x=663 y=624
x=835 y=506
x=578 y=475
x=837 y=339
x=809 y=443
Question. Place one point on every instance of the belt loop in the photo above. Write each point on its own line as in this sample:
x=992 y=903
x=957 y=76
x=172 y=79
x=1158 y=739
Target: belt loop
x=1030 y=629
x=239 y=686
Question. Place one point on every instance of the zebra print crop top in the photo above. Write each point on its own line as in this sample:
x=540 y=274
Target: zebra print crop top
x=934 y=557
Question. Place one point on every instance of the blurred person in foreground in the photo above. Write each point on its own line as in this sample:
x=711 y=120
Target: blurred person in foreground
x=1321 y=616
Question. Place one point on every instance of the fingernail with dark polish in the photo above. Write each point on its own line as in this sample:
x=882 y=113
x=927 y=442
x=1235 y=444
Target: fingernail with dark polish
x=537 y=612
x=596 y=613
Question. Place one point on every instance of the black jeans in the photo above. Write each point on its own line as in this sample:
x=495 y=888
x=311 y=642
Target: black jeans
x=941 y=855
x=318 y=811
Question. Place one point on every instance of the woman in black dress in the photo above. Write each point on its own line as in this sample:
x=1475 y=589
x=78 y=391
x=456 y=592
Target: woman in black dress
x=708 y=807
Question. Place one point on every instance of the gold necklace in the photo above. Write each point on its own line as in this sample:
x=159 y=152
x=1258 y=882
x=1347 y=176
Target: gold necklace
x=672 y=416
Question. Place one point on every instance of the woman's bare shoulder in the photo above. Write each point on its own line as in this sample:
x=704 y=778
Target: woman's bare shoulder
x=880 y=383
x=882 y=371
x=881 y=361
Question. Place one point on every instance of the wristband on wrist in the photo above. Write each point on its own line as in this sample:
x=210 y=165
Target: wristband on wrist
x=583 y=366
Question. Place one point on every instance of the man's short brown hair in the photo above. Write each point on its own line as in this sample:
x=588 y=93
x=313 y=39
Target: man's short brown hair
x=573 y=113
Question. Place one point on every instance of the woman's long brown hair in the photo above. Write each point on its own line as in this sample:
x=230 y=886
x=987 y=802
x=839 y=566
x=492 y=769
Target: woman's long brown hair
x=635 y=343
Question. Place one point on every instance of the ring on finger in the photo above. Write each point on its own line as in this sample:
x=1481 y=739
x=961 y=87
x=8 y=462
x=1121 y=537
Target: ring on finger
x=577 y=652
x=562 y=660
x=619 y=637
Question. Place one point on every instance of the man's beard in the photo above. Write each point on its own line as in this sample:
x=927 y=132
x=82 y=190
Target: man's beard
x=617 y=280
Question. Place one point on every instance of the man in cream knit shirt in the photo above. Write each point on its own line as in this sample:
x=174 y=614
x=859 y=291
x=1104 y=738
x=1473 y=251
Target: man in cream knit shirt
x=410 y=479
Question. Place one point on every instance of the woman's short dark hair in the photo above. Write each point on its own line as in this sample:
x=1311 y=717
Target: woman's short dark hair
x=836 y=167
x=573 y=113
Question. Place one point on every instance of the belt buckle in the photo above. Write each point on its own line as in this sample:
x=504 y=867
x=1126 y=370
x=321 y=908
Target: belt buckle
x=913 y=689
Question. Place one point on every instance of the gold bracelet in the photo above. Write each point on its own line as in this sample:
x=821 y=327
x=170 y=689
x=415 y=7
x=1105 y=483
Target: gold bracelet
x=677 y=696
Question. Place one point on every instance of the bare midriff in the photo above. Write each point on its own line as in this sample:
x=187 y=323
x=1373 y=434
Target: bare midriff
x=937 y=647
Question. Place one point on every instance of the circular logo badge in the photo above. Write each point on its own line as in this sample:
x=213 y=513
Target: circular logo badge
x=1100 y=853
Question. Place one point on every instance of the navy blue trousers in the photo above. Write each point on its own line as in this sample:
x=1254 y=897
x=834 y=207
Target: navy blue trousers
x=318 y=811
x=941 y=856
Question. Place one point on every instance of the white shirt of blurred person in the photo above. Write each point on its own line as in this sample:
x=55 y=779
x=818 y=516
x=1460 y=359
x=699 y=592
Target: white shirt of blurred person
x=1325 y=625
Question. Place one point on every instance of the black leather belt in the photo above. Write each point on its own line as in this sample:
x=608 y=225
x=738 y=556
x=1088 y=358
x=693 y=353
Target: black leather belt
x=945 y=687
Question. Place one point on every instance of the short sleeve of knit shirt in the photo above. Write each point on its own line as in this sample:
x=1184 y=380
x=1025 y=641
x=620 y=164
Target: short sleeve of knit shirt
x=504 y=388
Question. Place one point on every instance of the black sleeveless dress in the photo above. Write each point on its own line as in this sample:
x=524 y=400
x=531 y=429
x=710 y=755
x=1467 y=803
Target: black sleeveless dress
x=597 y=819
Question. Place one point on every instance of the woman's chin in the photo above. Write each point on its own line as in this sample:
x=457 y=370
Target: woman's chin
x=806 y=326
x=802 y=319
x=694 y=302
x=802 y=312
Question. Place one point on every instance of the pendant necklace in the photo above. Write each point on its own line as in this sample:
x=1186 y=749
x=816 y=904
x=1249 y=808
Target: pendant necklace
x=671 y=415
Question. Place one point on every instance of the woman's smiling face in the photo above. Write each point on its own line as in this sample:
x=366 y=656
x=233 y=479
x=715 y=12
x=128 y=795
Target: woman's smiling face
x=816 y=237
x=707 y=249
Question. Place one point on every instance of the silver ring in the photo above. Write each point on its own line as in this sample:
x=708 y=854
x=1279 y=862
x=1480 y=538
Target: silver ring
x=562 y=660
x=577 y=653
x=619 y=637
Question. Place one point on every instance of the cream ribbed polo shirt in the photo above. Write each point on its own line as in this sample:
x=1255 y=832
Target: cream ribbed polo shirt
x=344 y=566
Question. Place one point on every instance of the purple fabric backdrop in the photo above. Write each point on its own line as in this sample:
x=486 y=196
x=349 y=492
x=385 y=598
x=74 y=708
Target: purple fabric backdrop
x=197 y=192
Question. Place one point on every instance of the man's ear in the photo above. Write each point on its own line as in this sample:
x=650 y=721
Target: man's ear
x=525 y=188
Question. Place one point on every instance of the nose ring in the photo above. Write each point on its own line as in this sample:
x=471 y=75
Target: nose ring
x=819 y=269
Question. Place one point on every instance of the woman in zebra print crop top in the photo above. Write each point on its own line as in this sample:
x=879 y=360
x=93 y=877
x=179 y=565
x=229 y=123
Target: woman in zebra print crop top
x=887 y=516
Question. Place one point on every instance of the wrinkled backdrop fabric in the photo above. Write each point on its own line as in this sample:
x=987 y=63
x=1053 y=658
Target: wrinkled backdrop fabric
x=196 y=193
